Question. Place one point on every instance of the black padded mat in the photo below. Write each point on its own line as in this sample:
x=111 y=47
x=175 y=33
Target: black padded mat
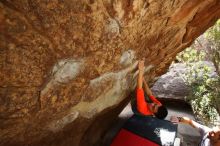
x=159 y=131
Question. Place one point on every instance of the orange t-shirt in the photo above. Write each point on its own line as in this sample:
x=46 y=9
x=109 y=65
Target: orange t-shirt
x=142 y=105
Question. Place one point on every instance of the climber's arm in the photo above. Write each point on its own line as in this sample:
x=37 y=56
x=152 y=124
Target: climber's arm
x=147 y=89
x=141 y=103
x=149 y=93
x=140 y=74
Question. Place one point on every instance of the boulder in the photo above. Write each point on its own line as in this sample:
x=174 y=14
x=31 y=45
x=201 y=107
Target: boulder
x=173 y=84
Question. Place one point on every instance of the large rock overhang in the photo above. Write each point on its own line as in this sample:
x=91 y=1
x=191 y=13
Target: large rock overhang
x=67 y=67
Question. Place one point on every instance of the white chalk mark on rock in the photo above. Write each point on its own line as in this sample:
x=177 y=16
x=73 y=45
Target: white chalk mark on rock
x=66 y=70
x=112 y=28
x=60 y=124
x=115 y=92
x=127 y=58
x=63 y=72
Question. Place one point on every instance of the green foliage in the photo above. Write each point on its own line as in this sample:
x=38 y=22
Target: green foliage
x=197 y=77
x=191 y=55
x=205 y=89
x=213 y=34
x=213 y=50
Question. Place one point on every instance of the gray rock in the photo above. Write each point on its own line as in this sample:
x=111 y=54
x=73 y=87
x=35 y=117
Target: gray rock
x=172 y=84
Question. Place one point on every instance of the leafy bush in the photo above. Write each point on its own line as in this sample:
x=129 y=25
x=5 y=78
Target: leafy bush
x=205 y=87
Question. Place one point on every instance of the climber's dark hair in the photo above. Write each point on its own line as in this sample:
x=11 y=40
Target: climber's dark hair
x=162 y=112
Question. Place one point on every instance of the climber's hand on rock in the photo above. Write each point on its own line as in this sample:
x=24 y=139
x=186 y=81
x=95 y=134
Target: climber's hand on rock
x=141 y=65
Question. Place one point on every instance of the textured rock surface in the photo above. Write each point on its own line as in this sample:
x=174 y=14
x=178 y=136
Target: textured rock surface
x=67 y=67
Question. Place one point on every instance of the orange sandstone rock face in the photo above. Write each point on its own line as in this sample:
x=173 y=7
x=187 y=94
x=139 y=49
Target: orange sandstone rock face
x=67 y=67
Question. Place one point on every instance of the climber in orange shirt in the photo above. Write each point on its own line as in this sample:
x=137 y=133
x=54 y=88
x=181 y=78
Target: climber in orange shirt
x=155 y=108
